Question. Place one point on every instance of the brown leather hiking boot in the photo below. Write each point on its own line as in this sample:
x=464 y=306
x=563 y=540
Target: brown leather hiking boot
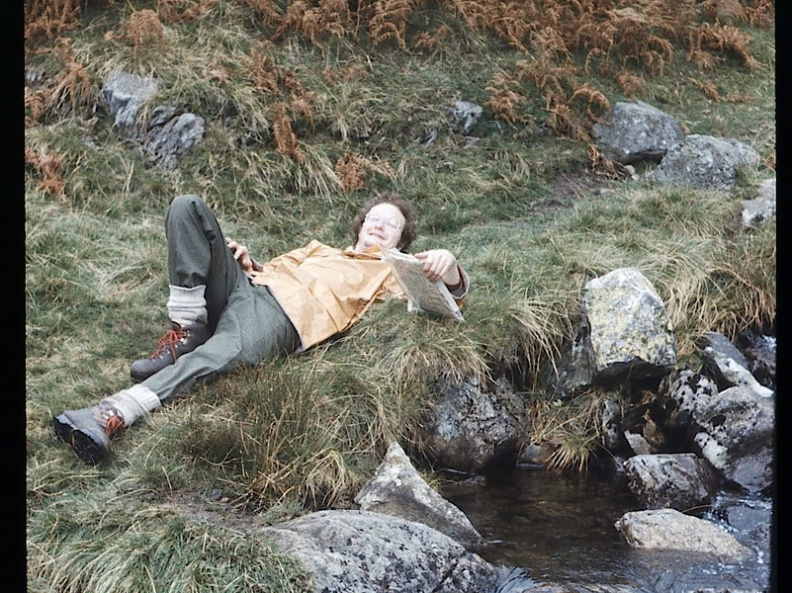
x=176 y=341
x=88 y=431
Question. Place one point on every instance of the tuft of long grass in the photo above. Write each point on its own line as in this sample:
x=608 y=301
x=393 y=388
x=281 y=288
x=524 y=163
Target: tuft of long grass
x=128 y=543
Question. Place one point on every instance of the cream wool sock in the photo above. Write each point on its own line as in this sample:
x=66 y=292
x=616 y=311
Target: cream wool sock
x=134 y=402
x=187 y=306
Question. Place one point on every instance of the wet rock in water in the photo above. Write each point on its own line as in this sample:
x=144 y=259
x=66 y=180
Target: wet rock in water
x=669 y=529
x=679 y=481
x=735 y=435
x=677 y=395
x=398 y=490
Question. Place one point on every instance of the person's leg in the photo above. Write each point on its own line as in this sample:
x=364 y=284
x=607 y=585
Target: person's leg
x=252 y=328
x=202 y=275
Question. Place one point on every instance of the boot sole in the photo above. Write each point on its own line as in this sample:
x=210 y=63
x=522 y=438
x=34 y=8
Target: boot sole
x=81 y=442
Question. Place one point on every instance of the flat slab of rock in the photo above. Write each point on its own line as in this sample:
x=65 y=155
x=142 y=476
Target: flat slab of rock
x=365 y=552
x=668 y=529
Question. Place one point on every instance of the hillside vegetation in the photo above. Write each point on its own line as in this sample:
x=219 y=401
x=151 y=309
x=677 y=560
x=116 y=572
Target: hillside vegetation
x=311 y=107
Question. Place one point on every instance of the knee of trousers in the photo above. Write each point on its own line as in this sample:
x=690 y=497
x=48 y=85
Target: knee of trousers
x=185 y=201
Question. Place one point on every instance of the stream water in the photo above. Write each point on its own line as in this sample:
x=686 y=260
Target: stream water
x=561 y=530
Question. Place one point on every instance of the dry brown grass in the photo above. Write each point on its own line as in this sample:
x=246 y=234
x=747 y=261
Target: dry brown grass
x=49 y=167
x=621 y=40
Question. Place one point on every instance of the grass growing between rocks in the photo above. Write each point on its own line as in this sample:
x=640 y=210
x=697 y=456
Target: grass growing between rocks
x=525 y=215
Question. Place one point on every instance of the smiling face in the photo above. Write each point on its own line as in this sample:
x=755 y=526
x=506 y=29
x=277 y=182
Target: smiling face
x=382 y=226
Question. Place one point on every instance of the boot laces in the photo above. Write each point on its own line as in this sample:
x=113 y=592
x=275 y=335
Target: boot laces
x=169 y=341
x=112 y=420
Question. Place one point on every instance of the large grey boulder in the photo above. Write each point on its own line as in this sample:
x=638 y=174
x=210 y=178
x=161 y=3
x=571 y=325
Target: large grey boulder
x=671 y=480
x=626 y=326
x=736 y=430
x=669 y=529
x=705 y=162
x=365 y=552
x=397 y=489
x=473 y=426
x=636 y=132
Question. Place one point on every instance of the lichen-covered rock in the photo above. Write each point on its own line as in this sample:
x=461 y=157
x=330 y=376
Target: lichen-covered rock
x=637 y=132
x=705 y=162
x=628 y=328
x=123 y=94
x=761 y=208
x=365 y=552
x=472 y=427
x=736 y=436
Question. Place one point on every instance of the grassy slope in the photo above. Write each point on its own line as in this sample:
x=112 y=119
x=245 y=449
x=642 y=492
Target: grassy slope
x=518 y=208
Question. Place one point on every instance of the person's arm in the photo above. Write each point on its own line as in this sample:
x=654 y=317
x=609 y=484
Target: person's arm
x=441 y=264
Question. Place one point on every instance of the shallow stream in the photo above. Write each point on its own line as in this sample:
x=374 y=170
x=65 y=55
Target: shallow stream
x=561 y=530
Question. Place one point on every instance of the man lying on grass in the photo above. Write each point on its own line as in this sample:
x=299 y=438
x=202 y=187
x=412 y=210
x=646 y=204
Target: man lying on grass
x=227 y=310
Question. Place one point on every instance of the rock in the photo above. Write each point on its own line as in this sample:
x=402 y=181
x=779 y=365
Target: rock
x=463 y=116
x=736 y=436
x=763 y=207
x=674 y=480
x=470 y=428
x=760 y=351
x=637 y=132
x=365 y=552
x=124 y=94
x=170 y=139
x=728 y=364
x=627 y=328
x=677 y=395
x=398 y=490
x=668 y=529
x=705 y=162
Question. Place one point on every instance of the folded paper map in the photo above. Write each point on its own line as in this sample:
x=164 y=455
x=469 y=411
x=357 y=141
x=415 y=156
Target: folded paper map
x=423 y=296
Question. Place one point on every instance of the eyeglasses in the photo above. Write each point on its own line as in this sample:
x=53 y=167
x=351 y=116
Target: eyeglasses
x=391 y=223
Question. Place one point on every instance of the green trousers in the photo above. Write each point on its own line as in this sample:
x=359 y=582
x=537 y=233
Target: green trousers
x=248 y=324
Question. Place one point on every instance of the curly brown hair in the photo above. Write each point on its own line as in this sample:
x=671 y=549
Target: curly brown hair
x=410 y=229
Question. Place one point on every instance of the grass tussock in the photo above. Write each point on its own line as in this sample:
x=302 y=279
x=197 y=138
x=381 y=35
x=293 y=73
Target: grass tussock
x=310 y=108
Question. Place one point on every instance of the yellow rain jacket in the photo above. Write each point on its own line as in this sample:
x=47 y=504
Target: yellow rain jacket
x=325 y=291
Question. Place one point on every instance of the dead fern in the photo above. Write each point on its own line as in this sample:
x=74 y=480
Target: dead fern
x=72 y=84
x=504 y=100
x=351 y=170
x=285 y=138
x=49 y=167
x=47 y=19
x=389 y=21
x=35 y=102
x=708 y=88
x=602 y=166
x=183 y=11
x=631 y=84
x=141 y=29
x=723 y=39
